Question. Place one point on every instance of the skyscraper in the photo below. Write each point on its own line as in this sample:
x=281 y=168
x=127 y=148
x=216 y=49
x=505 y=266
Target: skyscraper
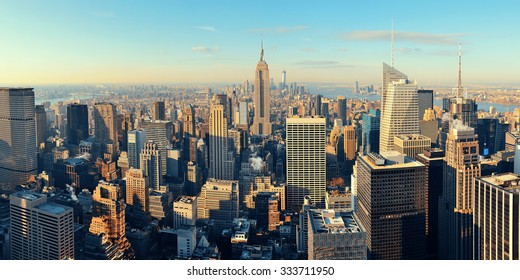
x=189 y=121
x=105 y=128
x=284 y=80
x=400 y=113
x=41 y=124
x=158 y=111
x=425 y=100
x=40 y=230
x=262 y=98
x=184 y=211
x=390 y=74
x=221 y=159
x=161 y=132
x=150 y=159
x=136 y=140
x=77 y=123
x=18 y=151
x=370 y=131
x=496 y=217
x=349 y=133
x=461 y=167
x=137 y=193
x=391 y=191
x=305 y=160
x=342 y=109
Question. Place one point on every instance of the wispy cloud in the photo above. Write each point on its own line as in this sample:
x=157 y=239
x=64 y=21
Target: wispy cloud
x=208 y=50
x=280 y=29
x=207 y=28
x=321 y=64
x=408 y=50
x=402 y=36
x=307 y=39
x=103 y=14
x=309 y=49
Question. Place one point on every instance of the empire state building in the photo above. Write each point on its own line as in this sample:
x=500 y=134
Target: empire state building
x=262 y=98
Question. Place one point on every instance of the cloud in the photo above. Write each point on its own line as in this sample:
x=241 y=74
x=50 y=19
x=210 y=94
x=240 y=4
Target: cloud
x=207 y=28
x=280 y=29
x=408 y=50
x=309 y=49
x=321 y=64
x=307 y=39
x=208 y=50
x=341 y=50
x=401 y=36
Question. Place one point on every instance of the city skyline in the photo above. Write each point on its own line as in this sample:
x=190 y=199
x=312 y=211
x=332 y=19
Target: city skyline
x=100 y=42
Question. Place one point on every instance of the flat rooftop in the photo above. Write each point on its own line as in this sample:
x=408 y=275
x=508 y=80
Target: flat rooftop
x=412 y=137
x=28 y=195
x=185 y=199
x=507 y=181
x=390 y=160
x=53 y=208
x=333 y=222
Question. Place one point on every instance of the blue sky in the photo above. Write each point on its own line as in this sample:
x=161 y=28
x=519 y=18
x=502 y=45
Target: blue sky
x=218 y=41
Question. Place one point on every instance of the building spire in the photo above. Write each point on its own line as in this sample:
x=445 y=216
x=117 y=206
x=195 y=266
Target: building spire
x=459 y=85
x=392 y=45
x=262 y=50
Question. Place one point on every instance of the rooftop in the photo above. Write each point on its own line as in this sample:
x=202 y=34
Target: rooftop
x=28 y=195
x=507 y=181
x=333 y=222
x=185 y=199
x=53 y=208
x=412 y=137
x=390 y=160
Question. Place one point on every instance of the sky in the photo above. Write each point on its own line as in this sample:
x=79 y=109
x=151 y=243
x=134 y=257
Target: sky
x=111 y=41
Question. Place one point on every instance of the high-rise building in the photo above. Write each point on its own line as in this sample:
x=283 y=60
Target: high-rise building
x=40 y=117
x=174 y=164
x=193 y=178
x=221 y=158
x=284 y=80
x=151 y=164
x=262 y=99
x=305 y=160
x=429 y=126
x=105 y=128
x=158 y=111
x=461 y=167
x=18 y=160
x=161 y=132
x=370 y=131
x=496 y=217
x=342 y=109
x=136 y=140
x=267 y=208
x=335 y=235
x=350 y=142
x=40 y=230
x=188 y=116
x=411 y=144
x=433 y=159
x=400 y=113
x=137 y=193
x=184 y=211
x=219 y=201
x=391 y=191
x=425 y=100
x=243 y=115
x=77 y=123
x=390 y=74
x=491 y=135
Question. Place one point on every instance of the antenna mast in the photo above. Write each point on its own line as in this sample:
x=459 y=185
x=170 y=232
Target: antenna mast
x=459 y=85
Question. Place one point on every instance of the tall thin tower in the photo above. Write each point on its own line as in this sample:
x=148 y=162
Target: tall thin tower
x=262 y=98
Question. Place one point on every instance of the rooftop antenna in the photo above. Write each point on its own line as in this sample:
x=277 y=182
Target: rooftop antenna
x=262 y=47
x=459 y=85
x=392 y=47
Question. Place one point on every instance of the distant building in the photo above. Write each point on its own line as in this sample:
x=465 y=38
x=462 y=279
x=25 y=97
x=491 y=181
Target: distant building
x=77 y=123
x=338 y=200
x=262 y=99
x=425 y=100
x=370 y=131
x=136 y=140
x=158 y=111
x=335 y=235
